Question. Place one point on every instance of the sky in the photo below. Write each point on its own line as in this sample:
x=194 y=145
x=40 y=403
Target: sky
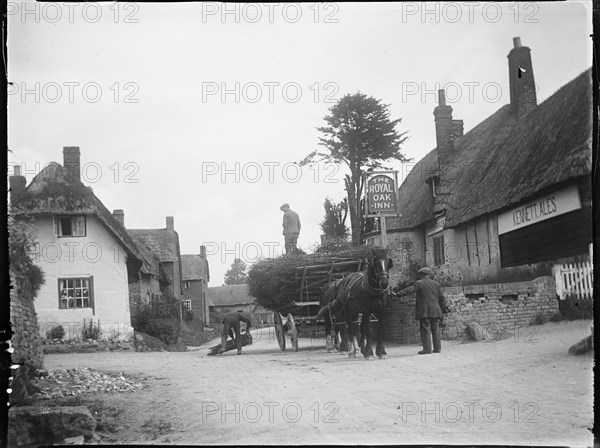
x=201 y=111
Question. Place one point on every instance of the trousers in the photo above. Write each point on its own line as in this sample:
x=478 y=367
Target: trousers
x=430 y=329
x=231 y=329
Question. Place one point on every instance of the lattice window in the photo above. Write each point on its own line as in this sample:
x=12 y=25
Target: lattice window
x=75 y=293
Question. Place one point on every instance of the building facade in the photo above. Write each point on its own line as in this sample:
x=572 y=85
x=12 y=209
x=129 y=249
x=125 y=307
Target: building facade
x=87 y=257
x=196 y=275
x=507 y=203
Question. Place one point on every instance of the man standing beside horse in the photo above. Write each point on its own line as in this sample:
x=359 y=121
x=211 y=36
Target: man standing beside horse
x=428 y=310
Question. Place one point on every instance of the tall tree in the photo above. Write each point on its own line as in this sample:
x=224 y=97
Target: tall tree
x=236 y=275
x=334 y=222
x=359 y=134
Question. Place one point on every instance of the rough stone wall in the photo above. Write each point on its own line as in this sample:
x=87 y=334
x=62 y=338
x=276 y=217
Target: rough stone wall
x=503 y=306
x=26 y=341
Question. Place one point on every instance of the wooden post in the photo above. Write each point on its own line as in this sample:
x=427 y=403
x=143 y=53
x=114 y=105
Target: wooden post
x=384 y=242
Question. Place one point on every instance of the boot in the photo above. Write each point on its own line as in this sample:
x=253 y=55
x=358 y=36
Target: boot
x=239 y=351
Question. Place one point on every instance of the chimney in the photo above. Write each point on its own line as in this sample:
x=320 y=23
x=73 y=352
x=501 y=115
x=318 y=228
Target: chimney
x=202 y=251
x=119 y=216
x=72 y=163
x=17 y=184
x=170 y=223
x=520 y=75
x=446 y=129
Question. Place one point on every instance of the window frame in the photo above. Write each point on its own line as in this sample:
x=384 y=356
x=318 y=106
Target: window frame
x=58 y=228
x=90 y=288
x=439 y=256
x=185 y=304
x=187 y=284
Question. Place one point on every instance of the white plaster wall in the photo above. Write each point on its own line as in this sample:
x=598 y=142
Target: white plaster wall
x=99 y=255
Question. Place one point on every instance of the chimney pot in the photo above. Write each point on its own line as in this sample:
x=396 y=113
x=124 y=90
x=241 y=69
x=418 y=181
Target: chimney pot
x=119 y=216
x=523 y=98
x=170 y=223
x=71 y=162
x=517 y=42
x=17 y=184
x=441 y=97
x=202 y=251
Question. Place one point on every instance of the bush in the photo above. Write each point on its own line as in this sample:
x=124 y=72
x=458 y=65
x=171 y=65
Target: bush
x=572 y=308
x=409 y=274
x=167 y=330
x=57 y=332
x=91 y=331
x=21 y=246
x=159 y=307
x=188 y=315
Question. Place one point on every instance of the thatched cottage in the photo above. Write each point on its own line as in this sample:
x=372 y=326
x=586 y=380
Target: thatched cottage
x=228 y=298
x=164 y=243
x=87 y=256
x=509 y=201
x=195 y=276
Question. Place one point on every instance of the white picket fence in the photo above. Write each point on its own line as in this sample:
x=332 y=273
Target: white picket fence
x=574 y=279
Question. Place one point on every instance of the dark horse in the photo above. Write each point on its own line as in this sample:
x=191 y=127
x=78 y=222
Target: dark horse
x=333 y=315
x=364 y=293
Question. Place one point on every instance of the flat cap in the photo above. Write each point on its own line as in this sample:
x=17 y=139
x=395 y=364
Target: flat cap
x=286 y=205
x=425 y=271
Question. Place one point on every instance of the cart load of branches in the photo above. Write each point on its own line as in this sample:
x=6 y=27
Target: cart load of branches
x=277 y=282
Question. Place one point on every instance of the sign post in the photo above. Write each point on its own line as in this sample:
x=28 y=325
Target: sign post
x=381 y=191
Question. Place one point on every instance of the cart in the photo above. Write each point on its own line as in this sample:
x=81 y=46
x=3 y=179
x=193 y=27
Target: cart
x=299 y=316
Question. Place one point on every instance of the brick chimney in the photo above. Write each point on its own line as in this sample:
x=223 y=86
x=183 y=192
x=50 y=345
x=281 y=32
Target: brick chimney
x=119 y=216
x=202 y=251
x=170 y=223
x=520 y=75
x=72 y=163
x=17 y=184
x=446 y=129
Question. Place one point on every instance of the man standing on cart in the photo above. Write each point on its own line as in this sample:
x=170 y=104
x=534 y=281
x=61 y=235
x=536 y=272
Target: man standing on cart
x=231 y=326
x=291 y=228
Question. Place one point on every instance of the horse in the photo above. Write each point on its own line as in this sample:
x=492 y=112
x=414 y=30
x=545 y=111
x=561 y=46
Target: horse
x=335 y=327
x=364 y=293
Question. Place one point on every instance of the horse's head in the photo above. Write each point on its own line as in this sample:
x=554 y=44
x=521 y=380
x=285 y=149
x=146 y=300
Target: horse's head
x=379 y=271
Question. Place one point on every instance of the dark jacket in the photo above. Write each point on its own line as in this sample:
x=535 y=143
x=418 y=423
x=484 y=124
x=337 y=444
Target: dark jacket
x=429 y=297
x=291 y=223
x=236 y=318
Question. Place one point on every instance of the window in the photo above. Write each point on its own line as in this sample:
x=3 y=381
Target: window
x=69 y=225
x=75 y=293
x=187 y=304
x=186 y=284
x=438 y=250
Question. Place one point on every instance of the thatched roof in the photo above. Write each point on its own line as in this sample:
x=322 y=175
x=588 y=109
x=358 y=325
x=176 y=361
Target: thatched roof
x=504 y=161
x=151 y=263
x=51 y=192
x=163 y=242
x=194 y=267
x=229 y=295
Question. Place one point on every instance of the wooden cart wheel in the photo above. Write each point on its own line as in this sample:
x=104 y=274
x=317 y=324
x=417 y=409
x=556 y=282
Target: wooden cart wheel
x=279 y=330
x=293 y=332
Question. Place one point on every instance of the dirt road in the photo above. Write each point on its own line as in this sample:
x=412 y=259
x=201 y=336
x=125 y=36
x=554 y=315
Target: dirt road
x=524 y=389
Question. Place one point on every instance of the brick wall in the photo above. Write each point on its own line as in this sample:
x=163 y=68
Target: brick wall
x=494 y=306
x=26 y=342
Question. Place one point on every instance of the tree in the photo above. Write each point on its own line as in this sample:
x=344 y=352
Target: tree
x=236 y=275
x=334 y=223
x=359 y=134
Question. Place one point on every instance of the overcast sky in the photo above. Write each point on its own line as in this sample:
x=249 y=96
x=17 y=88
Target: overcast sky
x=164 y=99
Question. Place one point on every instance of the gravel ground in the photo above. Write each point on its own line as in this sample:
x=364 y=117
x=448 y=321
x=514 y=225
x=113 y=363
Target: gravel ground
x=522 y=390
